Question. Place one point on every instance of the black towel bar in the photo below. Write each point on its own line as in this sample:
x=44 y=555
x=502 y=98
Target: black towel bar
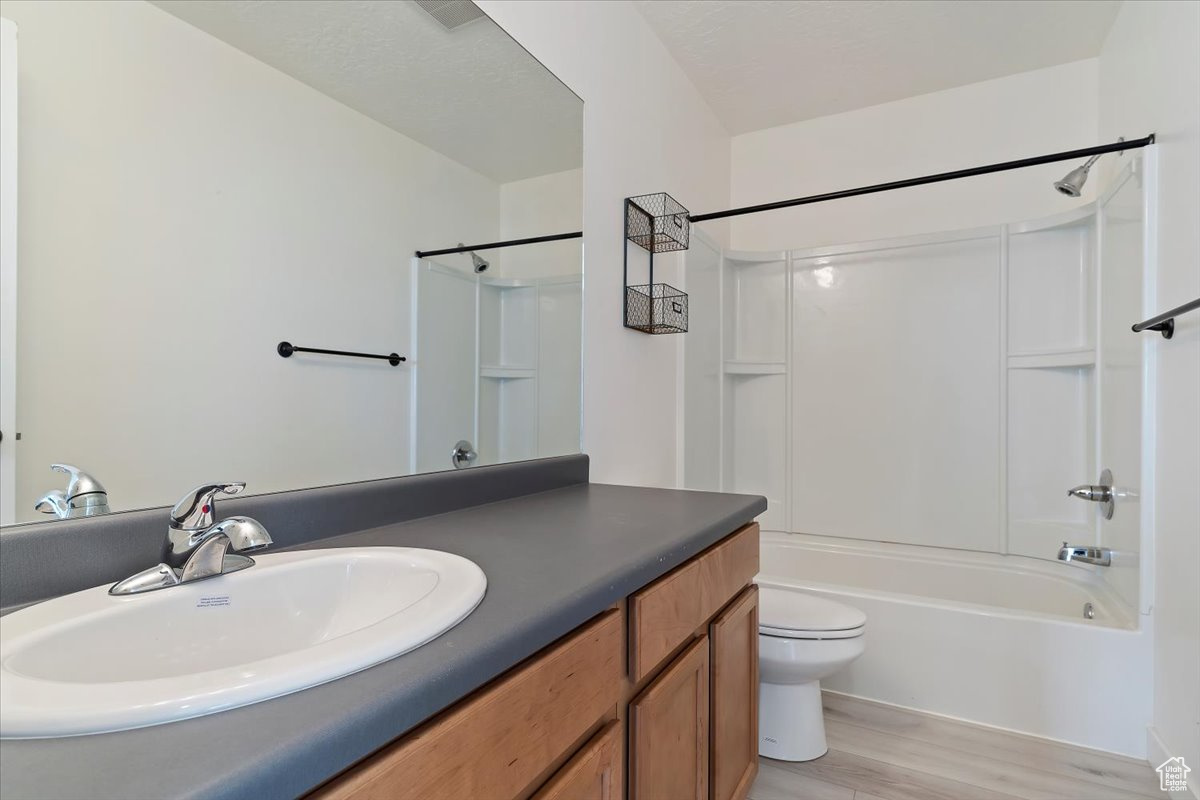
x=1164 y=323
x=286 y=349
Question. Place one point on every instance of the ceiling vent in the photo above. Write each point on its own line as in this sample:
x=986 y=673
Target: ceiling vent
x=451 y=13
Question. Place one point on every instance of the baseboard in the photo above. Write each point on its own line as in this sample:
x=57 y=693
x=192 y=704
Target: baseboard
x=1158 y=753
x=986 y=726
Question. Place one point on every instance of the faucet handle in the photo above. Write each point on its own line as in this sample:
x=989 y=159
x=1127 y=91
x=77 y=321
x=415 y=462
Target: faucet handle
x=1101 y=492
x=80 y=482
x=53 y=502
x=195 y=511
x=1095 y=493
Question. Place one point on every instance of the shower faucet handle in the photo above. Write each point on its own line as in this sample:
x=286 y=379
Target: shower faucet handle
x=463 y=455
x=1098 y=493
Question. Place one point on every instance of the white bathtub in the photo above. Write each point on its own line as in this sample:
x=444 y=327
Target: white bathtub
x=998 y=640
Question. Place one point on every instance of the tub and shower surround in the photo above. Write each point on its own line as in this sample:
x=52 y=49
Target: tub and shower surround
x=942 y=390
x=915 y=411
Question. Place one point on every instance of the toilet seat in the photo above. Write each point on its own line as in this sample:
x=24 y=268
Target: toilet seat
x=798 y=615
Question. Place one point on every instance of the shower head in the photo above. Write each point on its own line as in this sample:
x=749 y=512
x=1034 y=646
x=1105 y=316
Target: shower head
x=477 y=262
x=1072 y=183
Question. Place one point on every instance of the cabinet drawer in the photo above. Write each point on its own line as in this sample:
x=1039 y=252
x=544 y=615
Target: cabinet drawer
x=668 y=612
x=497 y=742
x=594 y=773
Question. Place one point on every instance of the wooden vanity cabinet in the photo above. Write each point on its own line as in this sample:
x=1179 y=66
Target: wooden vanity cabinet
x=596 y=772
x=733 y=713
x=655 y=699
x=669 y=730
x=709 y=607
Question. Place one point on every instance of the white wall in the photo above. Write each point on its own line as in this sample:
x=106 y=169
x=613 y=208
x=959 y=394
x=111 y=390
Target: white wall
x=183 y=208
x=537 y=207
x=1021 y=115
x=1149 y=80
x=634 y=141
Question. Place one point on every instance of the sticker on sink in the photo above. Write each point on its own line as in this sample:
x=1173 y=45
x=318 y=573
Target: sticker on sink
x=213 y=601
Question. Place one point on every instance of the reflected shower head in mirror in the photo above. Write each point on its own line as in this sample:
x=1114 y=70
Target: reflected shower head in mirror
x=476 y=261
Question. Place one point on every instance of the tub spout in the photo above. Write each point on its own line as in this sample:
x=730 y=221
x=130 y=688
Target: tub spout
x=1100 y=556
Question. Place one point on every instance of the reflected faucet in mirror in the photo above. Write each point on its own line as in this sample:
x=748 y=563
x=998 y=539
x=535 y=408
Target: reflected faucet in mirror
x=463 y=455
x=84 y=496
x=197 y=548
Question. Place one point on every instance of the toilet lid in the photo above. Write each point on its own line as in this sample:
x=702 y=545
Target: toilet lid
x=799 y=615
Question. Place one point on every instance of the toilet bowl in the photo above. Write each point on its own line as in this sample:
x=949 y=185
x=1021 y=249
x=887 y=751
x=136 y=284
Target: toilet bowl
x=802 y=638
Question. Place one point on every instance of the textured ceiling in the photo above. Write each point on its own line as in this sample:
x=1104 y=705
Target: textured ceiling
x=472 y=93
x=762 y=63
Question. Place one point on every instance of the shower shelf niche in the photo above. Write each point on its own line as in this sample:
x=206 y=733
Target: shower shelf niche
x=1053 y=359
x=506 y=372
x=755 y=390
x=751 y=368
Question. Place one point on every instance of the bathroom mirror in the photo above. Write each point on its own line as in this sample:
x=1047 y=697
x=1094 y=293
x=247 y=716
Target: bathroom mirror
x=188 y=184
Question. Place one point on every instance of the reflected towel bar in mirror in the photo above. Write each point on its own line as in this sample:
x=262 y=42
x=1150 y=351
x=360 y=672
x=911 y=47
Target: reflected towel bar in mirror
x=286 y=349
x=1165 y=323
x=466 y=248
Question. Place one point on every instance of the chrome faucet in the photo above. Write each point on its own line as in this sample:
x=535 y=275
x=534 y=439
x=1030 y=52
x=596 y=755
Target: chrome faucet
x=1100 y=556
x=84 y=496
x=195 y=547
x=1102 y=493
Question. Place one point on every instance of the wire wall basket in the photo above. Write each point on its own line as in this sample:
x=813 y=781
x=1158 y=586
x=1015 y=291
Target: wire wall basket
x=656 y=308
x=658 y=224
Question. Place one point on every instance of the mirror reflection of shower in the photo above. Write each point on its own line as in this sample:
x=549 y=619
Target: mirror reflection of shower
x=477 y=262
x=496 y=356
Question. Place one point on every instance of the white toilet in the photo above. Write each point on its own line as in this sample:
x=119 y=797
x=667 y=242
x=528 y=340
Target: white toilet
x=802 y=638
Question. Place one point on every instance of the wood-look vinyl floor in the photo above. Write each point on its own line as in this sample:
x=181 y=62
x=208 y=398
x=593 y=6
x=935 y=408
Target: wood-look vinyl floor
x=880 y=752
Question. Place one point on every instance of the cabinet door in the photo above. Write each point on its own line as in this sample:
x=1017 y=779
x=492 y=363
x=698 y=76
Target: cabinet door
x=668 y=736
x=734 y=693
x=594 y=773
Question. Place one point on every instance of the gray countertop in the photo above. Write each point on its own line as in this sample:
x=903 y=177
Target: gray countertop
x=553 y=560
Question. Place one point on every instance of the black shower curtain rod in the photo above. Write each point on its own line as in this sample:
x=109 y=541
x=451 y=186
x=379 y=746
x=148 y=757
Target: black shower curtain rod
x=1067 y=155
x=466 y=248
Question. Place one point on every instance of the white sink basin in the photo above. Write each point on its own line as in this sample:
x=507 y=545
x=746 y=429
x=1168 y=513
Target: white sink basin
x=91 y=663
